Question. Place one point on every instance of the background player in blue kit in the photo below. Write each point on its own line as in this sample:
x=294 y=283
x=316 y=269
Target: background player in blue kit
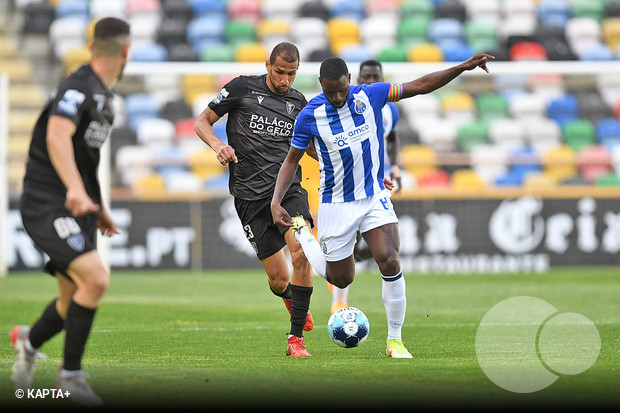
x=345 y=126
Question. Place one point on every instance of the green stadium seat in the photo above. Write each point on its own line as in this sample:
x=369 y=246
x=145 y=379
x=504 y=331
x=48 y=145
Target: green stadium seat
x=218 y=53
x=491 y=106
x=587 y=8
x=481 y=35
x=413 y=30
x=579 y=133
x=239 y=31
x=395 y=53
x=610 y=179
x=473 y=134
x=418 y=8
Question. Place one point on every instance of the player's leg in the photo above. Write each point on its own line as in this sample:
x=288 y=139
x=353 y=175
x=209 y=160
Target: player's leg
x=91 y=279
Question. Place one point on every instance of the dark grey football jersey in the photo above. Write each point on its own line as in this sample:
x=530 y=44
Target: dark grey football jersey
x=259 y=129
x=83 y=99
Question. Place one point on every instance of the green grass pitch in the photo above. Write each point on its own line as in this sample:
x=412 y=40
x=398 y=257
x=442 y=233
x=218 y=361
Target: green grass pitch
x=184 y=340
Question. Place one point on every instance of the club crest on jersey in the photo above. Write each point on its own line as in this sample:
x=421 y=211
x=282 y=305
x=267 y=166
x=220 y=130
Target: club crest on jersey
x=76 y=242
x=360 y=106
x=290 y=107
x=221 y=96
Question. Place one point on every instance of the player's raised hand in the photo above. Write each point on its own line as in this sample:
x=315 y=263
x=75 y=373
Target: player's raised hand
x=478 y=60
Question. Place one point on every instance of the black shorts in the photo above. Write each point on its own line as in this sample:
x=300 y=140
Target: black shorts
x=56 y=232
x=266 y=237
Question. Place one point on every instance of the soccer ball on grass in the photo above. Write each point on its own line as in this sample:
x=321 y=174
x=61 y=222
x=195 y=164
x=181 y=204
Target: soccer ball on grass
x=348 y=327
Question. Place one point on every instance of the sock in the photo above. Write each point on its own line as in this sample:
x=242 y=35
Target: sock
x=77 y=328
x=285 y=295
x=395 y=301
x=340 y=295
x=313 y=252
x=300 y=303
x=47 y=326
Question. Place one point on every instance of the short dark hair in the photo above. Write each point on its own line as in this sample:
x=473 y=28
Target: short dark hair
x=333 y=68
x=371 y=63
x=287 y=51
x=110 y=36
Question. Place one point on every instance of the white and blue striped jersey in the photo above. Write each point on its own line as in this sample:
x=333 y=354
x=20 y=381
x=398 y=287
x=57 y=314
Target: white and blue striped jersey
x=349 y=141
x=390 y=120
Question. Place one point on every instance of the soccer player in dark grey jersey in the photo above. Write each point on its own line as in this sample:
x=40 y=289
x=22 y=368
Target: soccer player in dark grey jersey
x=261 y=113
x=61 y=208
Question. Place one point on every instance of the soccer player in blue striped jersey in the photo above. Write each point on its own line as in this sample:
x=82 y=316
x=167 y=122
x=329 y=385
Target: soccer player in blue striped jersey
x=344 y=125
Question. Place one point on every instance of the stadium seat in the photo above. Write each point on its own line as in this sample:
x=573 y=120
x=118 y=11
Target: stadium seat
x=596 y=52
x=456 y=51
x=273 y=28
x=182 y=181
x=349 y=9
x=609 y=179
x=155 y=132
x=578 y=133
x=239 y=31
x=608 y=132
x=204 y=163
x=417 y=8
x=559 y=162
x=467 y=178
x=377 y=32
x=356 y=53
x=205 y=30
x=38 y=17
x=481 y=35
x=554 y=12
x=251 y=52
x=437 y=177
x=176 y=10
x=74 y=58
x=182 y=52
x=539 y=180
x=491 y=106
x=594 y=161
x=132 y=162
x=314 y=9
x=587 y=8
x=564 y=108
x=382 y=8
x=172 y=31
x=245 y=10
x=542 y=133
x=339 y=29
x=413 y=30
x=582 y=33
x=224 y=52
x=507 y=133
x=489 y=162
x=213 y=8
x=446 y=29
x=421 y=108
x=546 y=85
x=395 y=53
x=473 y=134
x=425 y=52
x=529 y=51
x=438 y=133
x=558 y=50
x=483 y=11
x=78 y=8
x=146 y=184
x=458 y=107
x=67 y=33
x=279 y=9
x=610 y=28
x=592 y=106
x=140 y=106
x=611 y=9
x=517 y=28
x=526 y=106
x=418 y=159
x=153 y=52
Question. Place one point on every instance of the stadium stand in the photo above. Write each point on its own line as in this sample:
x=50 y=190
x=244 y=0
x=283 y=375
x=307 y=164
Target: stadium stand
x=532 y=130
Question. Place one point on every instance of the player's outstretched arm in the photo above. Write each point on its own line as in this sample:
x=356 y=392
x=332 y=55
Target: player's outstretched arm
x=204 y=129
x=433 y=81
x=284 y=181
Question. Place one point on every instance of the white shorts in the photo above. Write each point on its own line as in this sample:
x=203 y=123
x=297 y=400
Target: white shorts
x=339 y=223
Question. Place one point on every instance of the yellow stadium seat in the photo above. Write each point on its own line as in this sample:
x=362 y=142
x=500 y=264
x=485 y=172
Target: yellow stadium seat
x=193 y=86
x=610 y=27
x=19 y=144
x=27 y=95
x=460 y=101
x=343 y=28
x=17 y=69
x=251 y=52
x=425 y=52
x=539 y=180
x=22 y=121
x=560 y=162
x=272 y=27
x=418 y=160
x=204 y=163
x=146 y=184
x=467 y=178
x=8 y=47
x=74 y=58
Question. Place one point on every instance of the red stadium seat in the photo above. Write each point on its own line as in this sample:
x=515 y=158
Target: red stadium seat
x=527 y=51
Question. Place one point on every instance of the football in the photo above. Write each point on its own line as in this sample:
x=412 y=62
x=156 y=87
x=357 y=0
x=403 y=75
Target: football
x=348 y=327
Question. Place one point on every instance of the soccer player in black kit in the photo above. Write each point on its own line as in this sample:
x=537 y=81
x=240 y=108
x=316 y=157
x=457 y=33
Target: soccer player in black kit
x=261 y=112
x=61 y=208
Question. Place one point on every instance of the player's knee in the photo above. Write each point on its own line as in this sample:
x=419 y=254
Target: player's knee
x=389 y=264
x=98 y=283
x=340 y=281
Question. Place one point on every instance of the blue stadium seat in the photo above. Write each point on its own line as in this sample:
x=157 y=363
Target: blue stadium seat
x=205 y=30
x=67 y=8
x=554 y=12
x=563 y=108
x=356 y=53
x=454 y=51
x=446 y=29
x=140 y=106
x=214 y=8
x=608 y=132
x=154 y=52
x=352 y=9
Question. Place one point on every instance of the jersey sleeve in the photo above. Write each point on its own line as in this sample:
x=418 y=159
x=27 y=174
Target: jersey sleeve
x=229 y=96
x=71 y=100
x=302 y=131
x=395 y=115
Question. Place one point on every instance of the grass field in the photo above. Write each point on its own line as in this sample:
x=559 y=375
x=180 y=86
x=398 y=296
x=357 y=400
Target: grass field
x=179 y=340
